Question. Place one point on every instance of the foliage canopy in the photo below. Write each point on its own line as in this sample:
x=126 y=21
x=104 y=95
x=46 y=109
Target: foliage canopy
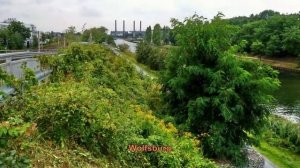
x=212 y=93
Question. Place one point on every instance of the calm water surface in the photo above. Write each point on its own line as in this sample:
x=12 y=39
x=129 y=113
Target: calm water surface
x=288 y=96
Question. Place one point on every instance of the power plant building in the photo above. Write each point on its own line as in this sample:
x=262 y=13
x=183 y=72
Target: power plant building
x=128 y=34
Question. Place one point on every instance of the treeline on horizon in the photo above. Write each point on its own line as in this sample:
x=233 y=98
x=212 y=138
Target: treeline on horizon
x=268 y=33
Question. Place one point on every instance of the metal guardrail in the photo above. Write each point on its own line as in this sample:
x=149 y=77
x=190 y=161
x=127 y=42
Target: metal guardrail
x=7 y=57
x=13 y=63
x=15 y=67
x=30 y=50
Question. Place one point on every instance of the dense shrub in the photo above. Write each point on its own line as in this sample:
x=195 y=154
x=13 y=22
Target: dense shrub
x=152 y=56
x=212 y=93
x=104 y=110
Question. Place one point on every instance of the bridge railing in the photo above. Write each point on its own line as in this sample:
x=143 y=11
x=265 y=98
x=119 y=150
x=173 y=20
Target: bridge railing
x=7 y=57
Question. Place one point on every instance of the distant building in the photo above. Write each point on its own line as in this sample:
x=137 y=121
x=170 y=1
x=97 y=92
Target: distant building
x=6 y=23
x=31 y=27
x=128 y=34
x=134 y=34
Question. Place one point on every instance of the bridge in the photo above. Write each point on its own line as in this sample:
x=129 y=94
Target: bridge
x=12 y=64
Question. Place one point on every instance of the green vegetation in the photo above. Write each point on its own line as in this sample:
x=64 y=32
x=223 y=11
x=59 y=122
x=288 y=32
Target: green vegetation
x=157 y=35
x=14 y=35
x=97 y=35
x=213 y=94
x=94 y=107
x=269 y=33
x=280 y=142
x=282 y=133
x=152 y=56
x=148 y=35
x=281 y=157
x=71 y=35
x=209 y=102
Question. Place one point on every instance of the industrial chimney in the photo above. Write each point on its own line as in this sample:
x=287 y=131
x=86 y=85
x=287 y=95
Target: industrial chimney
x=115 y=27
x=140 y=26
x=133 y=29
x=123 y=28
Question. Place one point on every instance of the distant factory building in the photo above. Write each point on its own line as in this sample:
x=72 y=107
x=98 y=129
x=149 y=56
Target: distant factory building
x=128 y=34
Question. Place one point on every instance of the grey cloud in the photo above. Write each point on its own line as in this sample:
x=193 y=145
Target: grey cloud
x=4 y=2
x=89 y=12
x=58 y=14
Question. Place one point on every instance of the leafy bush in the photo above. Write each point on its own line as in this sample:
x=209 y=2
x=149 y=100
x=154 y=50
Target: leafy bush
x=11 y=130
x=151 y=56
x=104 y=111
x=11 y=159
x=212 y=93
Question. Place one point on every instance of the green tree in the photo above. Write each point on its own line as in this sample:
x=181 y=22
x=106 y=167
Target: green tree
x=257 y=47
x=267 y=13
x=70 y=34
x=148 y=35
x=143 y=52
x=16 y=26
x=99 y=34
x=35 y=42
x=3 y=38
x=275 y=31
x=172 y=37
x=110 y=40
x=212 y=93
x=16 y=41
x=157 y=35
x=166 y=35
x=14 y=35
x=291 y=39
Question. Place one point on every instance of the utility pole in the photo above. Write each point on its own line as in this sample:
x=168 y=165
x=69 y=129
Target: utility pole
x=39 y=44
x=64 y=42
x=91 y=38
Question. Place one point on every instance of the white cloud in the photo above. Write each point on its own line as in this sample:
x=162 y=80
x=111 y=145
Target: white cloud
x=57 y=15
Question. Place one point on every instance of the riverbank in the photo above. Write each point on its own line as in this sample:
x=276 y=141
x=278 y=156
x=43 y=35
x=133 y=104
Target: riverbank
x=289 y=64
x=281 y=157
x=279 y=142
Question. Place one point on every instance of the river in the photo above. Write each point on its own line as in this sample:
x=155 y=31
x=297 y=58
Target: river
x=132 y=46
x=288 y=96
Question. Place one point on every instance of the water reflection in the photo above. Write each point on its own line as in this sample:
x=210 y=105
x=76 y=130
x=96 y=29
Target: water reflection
x=132 y=46
x=288 y=96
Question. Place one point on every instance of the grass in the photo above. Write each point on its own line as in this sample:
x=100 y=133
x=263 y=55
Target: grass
x=281 y=157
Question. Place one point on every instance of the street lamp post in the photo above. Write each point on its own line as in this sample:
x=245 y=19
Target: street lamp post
x=39 y=45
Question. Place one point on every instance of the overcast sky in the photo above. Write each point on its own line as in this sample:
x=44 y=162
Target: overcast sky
x=57 y=15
